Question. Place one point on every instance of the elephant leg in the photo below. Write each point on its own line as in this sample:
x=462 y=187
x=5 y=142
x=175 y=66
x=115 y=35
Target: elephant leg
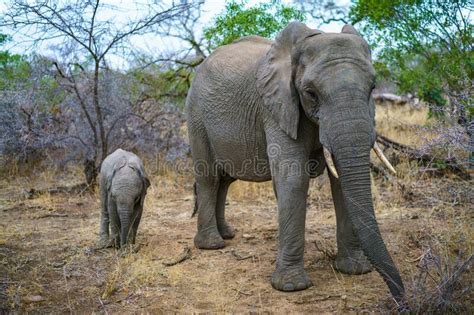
x=290 y=274
x=114 y=223
x=207 y=187
x=225 y=230
x=104 y=216
x=350 y=258
x=291 y=187
x=208 y=236
x=135 y=223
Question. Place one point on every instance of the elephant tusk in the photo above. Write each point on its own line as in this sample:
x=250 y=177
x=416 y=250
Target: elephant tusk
x=330 y=162
x=383 y=158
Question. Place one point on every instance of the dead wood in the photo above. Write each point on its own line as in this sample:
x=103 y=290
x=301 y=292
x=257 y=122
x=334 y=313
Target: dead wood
x=184 y=256
x=239 y=256
x=74 y=189
x=451 y=165
x=389 y=97
x=53 y=215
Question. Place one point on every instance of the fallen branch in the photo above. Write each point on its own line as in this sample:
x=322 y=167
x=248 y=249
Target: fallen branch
x=184 y=256
x=389 y=97
x=423 y=158
x=74 y=189
x=53 y=215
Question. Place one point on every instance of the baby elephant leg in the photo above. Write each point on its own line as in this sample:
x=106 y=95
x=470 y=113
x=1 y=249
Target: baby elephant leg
x=104 y=218
x=135 y=224
x=115 y=226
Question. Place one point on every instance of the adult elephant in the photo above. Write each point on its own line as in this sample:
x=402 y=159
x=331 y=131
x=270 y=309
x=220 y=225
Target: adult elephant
x=278 y=110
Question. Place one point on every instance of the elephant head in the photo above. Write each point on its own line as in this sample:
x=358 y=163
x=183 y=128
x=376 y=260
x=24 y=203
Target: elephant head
x=329 y=78
x=127 y=186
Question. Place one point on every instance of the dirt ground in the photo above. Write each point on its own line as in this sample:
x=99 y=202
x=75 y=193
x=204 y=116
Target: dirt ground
x=50 y=265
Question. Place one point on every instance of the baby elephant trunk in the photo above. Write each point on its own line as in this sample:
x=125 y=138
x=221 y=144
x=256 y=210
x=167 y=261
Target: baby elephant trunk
x=124 y=213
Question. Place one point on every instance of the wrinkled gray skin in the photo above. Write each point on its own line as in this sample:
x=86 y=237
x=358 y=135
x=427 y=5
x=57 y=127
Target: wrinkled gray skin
x=257 y=106
x=123 y=185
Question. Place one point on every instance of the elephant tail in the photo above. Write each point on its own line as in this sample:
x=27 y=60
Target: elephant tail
x=195 y=210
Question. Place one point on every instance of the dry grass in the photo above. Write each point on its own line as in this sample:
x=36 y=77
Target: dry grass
x=402 y=123
x=49 y=264
x=246 y=191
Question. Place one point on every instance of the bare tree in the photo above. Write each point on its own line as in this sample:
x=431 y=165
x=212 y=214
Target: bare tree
x=27 y=125
x=90 y=39
x=186 y=29
x=324 y=11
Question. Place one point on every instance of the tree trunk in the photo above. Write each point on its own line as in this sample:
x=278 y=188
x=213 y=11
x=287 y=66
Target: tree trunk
x=98 y=112
x=90 y=172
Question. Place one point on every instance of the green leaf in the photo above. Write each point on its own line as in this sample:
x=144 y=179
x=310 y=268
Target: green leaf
x=238 y=20
x=425 y=46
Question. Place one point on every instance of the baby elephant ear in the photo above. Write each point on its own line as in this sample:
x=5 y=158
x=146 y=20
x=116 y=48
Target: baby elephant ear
x=143 y=176
x=349 y=29
x=138 y=167
x=120 y=164
x=146 y=181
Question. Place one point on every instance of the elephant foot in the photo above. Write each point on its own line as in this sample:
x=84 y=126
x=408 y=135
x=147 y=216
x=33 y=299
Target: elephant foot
x=354 y=263
x=226 y=231
x=290 y=279
x=209 y=240
x=105 y=242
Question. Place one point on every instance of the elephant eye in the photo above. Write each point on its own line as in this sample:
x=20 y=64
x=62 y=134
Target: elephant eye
x=311 y=94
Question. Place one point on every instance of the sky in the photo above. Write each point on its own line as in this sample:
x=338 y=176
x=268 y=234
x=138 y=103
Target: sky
x=150 y=44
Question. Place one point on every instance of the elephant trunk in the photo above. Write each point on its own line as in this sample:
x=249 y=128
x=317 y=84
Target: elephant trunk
x=350 y=142
x=124 y=212
x=356 y=188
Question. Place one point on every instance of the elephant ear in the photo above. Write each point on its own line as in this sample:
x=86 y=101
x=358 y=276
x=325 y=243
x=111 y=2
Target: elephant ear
x=145 y=179
x=117 y=166
x=349 y=29
x=138 y=167
x=275 y=77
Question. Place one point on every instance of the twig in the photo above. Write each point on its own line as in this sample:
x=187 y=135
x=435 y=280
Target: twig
x=324 y=298
x=184 y=256
x=67 y=290
x=242 y=292
x=327 y=297
x=103 y=306
x=417 y=259
x=239 y=257
x=326 y=249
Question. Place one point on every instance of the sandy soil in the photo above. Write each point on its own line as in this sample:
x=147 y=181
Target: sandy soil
x=48 y=262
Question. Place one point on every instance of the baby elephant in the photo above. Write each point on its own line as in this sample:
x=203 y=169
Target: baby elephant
x=123 y=185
